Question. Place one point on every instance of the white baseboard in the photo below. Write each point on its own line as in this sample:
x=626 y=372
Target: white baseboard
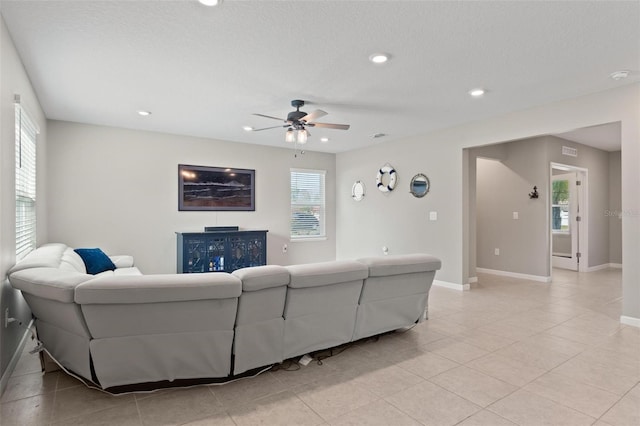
x=604 y=266
x=633 y=322
x=539 y=278
x=14 y=359
x=597 y=267
x=454 y=286
x=473 y=280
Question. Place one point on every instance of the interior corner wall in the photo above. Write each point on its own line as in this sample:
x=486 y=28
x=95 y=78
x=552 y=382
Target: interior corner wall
x=118 y=189
x=614 y=209
x=401 y=222
x=14 y=80
x=502 y=188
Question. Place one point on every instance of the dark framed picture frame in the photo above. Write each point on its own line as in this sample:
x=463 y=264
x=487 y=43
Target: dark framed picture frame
x=203 y=188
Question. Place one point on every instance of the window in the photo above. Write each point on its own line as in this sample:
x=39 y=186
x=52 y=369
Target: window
x=560 y=206
x=307 y=204
x=26 y=133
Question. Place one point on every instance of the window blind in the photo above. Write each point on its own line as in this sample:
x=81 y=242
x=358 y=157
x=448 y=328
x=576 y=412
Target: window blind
x=307 y=203
x=26 y=134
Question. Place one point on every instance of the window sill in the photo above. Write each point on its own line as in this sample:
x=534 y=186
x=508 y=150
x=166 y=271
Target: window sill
x=307 y=239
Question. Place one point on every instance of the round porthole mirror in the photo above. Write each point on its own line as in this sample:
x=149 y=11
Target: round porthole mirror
x=419 y=185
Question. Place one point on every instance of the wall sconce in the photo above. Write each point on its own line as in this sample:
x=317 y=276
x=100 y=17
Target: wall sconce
x=534 y=194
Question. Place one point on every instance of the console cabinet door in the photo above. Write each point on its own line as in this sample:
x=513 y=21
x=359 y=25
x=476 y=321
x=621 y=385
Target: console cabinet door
x=200 y=252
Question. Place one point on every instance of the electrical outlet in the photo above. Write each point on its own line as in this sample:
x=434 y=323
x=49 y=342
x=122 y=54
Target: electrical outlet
x=496 y=252
x=515 y=216
x=284 y=248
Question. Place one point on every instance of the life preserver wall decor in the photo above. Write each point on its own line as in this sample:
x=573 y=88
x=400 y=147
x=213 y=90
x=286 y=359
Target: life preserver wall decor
x=387 y=169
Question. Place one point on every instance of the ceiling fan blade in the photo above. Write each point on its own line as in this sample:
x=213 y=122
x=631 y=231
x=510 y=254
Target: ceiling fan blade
x=267 y=128
x=330 y=126
x=314 y=115
x=273 y=118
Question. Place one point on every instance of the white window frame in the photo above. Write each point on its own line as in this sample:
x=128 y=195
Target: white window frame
x=26 y=136
x=318 y=205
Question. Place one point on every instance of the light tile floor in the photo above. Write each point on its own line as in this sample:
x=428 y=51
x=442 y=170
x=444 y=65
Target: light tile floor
x=508 y=352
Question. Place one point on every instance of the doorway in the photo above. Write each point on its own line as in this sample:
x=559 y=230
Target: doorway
x=568 y=217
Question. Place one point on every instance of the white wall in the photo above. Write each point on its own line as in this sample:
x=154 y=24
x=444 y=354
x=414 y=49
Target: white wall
x=615 y=207
x=503 y=188
x=400 y=221
x=397 y=219
x=14 y=80
x=118 y=189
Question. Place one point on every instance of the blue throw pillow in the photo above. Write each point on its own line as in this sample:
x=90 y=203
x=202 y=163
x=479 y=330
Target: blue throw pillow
x=95 y=260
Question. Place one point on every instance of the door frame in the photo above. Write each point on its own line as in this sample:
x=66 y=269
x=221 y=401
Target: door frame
x=583 y=196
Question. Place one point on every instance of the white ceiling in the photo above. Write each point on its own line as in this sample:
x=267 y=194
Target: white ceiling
x=203 y=71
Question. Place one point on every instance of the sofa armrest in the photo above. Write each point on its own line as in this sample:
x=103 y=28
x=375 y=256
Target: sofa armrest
x=326 y=273
x=122 y=261
x=129 y=289
x=260 y=277
x=381 y=266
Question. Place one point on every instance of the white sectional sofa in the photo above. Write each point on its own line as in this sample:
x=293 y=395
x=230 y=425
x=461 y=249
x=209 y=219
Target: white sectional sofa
x=121 y=327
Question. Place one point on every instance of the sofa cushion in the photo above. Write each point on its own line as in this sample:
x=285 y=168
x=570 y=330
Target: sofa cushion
x=326 y=273
x=261 y=277
x=122 y=261
x=71 y=261
x=400 y=264
x=45 y=256
x=95 y=260
x=119 y=271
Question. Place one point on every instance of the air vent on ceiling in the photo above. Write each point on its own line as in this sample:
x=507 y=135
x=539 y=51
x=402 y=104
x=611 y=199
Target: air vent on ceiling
x=571 y=152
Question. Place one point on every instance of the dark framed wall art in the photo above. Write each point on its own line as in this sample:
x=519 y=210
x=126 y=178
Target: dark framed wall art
x=215 y=188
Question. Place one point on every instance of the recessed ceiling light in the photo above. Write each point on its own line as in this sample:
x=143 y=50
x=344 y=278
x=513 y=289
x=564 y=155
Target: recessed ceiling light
x=210 y=2
x=324 y=139
x=247 y=128
x=144 y=113
x=619 y=75
x=379 y=58
x=476 y=93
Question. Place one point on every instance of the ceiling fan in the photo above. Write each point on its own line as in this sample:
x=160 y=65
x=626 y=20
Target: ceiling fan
x=297 y=122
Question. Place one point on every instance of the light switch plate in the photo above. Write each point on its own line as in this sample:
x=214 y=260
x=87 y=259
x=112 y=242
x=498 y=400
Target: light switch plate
x=515 y=215
x=433 y=215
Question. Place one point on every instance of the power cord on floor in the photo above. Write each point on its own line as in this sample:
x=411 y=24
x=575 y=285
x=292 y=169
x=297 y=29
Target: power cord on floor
x=287 y=365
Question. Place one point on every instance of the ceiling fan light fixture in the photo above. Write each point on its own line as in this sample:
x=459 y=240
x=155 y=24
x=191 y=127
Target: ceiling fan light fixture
x=290 y=136
x=379 y=58
x=302 y=136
